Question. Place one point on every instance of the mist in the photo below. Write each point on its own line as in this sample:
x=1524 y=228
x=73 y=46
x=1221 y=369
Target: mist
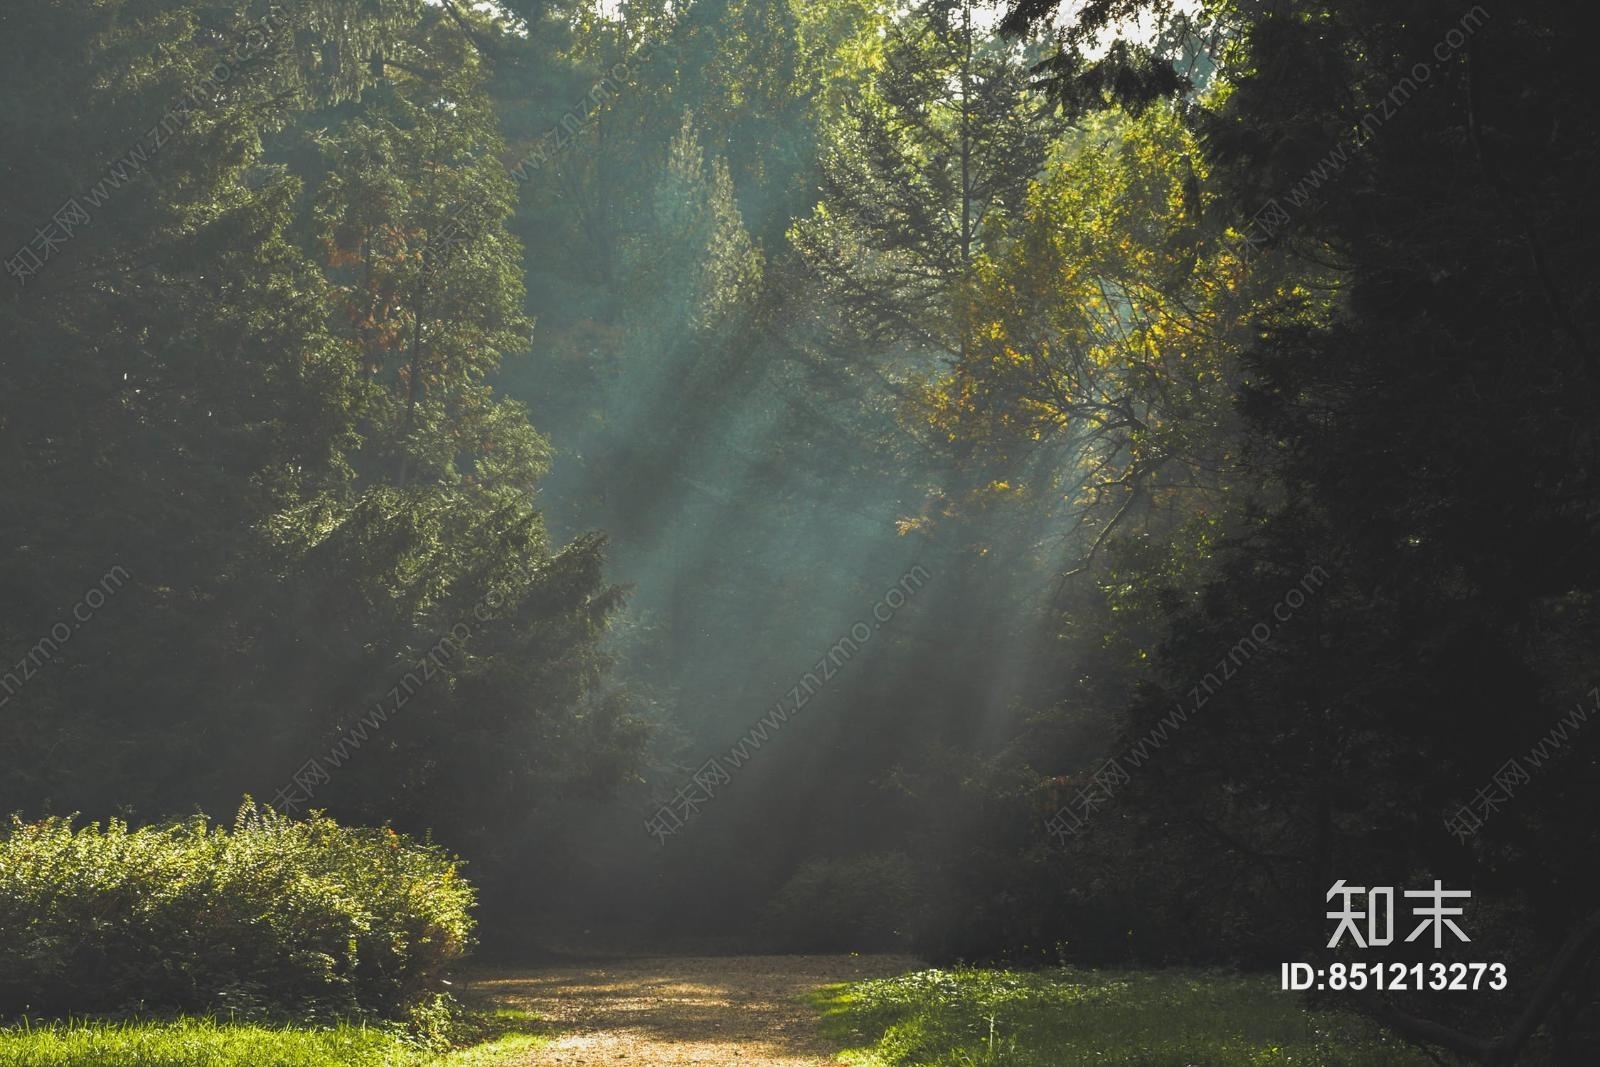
x=774 y=531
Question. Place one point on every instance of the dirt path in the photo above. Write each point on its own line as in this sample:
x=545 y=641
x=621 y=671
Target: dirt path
x=714 y=1011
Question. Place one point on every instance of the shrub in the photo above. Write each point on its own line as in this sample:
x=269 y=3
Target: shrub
x=864 y=903
x=278 y=914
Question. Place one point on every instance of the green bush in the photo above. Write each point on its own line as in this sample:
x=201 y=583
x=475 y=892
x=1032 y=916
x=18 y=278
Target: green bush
x=279 y=914
x=864 y=903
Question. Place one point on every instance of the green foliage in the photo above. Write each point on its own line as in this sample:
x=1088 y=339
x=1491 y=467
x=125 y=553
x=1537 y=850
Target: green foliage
x=435 y=1021
x=190 y=1041
x=862 y=903
x=488 y=1039
x=918 y=172
x=790 y=259
x=1103 y=331
x=275 y=914
x=711 y=268
x=425 y=282
x=292 y=313
x=1075 y=1018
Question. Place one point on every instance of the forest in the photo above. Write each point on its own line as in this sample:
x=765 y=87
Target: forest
x=798 y=532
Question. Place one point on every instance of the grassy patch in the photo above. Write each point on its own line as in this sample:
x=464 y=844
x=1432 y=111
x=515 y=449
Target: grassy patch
x=493 y=1035
x=204 y=1042
x=1067 y=1017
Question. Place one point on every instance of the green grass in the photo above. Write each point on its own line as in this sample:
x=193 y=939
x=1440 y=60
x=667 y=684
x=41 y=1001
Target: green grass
x=1068 y=1016
x=195 y=1042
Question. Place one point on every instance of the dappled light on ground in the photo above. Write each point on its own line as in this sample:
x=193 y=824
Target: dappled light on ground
x=749 y=1010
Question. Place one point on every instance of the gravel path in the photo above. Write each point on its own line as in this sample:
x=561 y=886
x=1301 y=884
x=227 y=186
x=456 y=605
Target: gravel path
x=746 y=1010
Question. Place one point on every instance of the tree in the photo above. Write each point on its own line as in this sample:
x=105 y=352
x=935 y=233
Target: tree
x=427 y=278
x=1421 y=173
x=920 y=170
x=1103 y=340
x=270 y=368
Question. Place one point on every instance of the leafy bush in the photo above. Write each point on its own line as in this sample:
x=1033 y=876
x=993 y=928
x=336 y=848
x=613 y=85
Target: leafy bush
x=278 y=914
x=863 y=903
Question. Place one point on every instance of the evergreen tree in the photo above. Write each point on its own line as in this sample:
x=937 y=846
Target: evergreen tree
x=922 y=168
x=269 y=371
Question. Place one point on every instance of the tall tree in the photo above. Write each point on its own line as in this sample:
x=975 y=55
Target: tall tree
x=270 y=368
x=919 y=171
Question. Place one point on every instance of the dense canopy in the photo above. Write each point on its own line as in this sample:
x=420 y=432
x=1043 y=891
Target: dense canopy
x=1032 y=483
